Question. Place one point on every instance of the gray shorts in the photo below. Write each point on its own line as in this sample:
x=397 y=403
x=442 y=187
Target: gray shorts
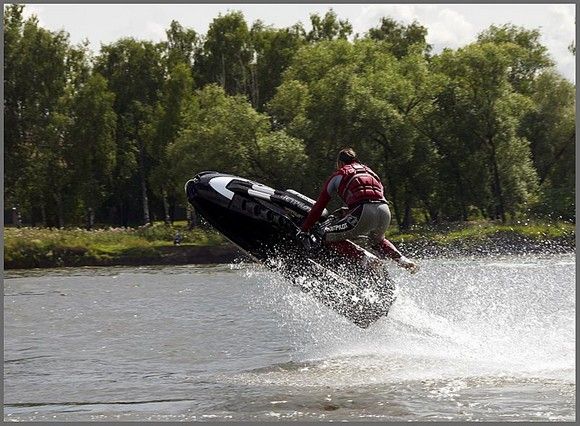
x=369 y=219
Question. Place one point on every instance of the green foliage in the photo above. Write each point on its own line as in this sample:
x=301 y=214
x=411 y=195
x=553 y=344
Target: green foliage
x=170 y=115
x=135 y=72
x=486 y=130
x=278 y=158
x=92 y=135
x=225 y=54
x=328 y=27
x=400 y=38
x=274 y=50
x=42 y=72
x=550 y=126
x=528 y=56
x=220 y=133
x=181 y=44
x=487 y=112
x=41 y=246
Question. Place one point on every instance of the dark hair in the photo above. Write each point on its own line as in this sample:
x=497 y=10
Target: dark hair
x=347 y=156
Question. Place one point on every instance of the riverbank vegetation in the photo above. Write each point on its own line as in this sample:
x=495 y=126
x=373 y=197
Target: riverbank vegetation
x=34 y=247
x=42 y=247
x=485 y=131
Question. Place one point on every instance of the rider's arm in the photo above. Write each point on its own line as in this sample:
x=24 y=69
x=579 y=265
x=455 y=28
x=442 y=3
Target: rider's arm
x=329 y=188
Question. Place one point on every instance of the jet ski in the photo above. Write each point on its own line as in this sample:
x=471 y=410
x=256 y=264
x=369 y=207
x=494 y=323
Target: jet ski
x=265 y=222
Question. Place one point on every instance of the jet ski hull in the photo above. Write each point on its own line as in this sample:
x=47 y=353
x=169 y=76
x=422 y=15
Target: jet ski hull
x=263 y=222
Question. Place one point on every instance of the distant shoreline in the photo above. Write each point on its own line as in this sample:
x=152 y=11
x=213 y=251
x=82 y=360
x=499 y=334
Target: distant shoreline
x=491 y=244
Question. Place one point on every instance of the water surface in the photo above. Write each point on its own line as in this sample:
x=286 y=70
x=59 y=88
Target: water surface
x=467 y=339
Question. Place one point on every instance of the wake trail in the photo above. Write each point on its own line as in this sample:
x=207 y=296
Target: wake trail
x=454 y=319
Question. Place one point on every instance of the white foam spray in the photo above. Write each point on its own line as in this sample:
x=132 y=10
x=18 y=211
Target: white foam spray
x=510 y=317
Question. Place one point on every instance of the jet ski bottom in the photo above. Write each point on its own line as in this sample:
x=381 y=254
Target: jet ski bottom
x=264 y=222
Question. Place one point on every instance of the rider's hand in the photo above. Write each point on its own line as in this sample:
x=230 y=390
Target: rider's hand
x=304 y=239
x=308 y=241
x=407 y=264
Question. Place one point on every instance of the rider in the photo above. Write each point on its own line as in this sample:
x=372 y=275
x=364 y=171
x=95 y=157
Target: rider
x=367 y=212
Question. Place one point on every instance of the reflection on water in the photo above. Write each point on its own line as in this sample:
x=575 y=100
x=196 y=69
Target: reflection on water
x=467 y=339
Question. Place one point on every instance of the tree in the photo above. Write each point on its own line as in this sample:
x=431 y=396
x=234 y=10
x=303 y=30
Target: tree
x=311 y=99
x=135 y=73
x=339 y=94
x=399 y=37
x=225 y=55
x=274 y=50
x=328 y=27
x=15 y=147
x=387 y=104
x=220 y=134
x=225 y=133
x=181 y=44
x=489 y=111
x=93 y=151
x=177 y=93
x=40 y=66
x=528 y=55
x=550 y=128
x=278 y=157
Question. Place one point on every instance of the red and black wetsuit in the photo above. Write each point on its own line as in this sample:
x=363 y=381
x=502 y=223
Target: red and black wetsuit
x=368 y=214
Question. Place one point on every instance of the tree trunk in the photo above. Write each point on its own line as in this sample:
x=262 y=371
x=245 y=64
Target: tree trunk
x=407 y=216
x=145 y=199
x=255 y=87
x=395 y=203
x=455 y=167
x=167 y=216
x=223 y=76
x=460 y=191
x=389 y=179
x=244 y=86
x=191 y=217
x=124 y=220
x=14 y=216
x=43 y=217
x=496 y=186
x=146 y=217
x=432 y=212
x=90 y=218
x=60 y=211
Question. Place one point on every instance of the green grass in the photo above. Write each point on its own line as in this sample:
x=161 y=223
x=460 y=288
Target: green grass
x=38 y=246
x=26 y=247
x=475 y=231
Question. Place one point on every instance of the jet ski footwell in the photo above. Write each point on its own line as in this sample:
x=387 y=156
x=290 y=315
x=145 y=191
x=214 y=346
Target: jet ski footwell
x=263 y=222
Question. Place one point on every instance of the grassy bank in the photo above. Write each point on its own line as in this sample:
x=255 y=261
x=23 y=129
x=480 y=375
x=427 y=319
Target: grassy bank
x=36 y=247
x=487 y=238
x=40 y=247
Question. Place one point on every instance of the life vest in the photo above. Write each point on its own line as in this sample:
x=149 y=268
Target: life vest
x=359 y=184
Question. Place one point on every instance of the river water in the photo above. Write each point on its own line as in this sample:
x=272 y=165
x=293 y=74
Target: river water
x=467 y=339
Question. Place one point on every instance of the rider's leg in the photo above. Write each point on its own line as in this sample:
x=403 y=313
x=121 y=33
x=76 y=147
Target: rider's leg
x=352 y=225
x=357 y=222
x=377 y=236
x=382 y=245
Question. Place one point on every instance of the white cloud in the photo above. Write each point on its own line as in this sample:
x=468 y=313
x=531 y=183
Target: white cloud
x=449 y=25
x=562 y=16
x=446 y=27
x=457 y=25
x=558 y=34
x=155 y=31
x=406 y=13
x=450 y=29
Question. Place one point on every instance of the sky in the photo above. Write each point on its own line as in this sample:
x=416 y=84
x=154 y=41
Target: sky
x=449 y=25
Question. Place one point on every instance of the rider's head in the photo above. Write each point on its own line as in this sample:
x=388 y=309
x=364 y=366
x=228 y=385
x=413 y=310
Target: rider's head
x=345 y=156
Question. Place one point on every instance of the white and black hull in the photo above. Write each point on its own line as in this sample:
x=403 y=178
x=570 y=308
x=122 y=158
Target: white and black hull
x=264 y=222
